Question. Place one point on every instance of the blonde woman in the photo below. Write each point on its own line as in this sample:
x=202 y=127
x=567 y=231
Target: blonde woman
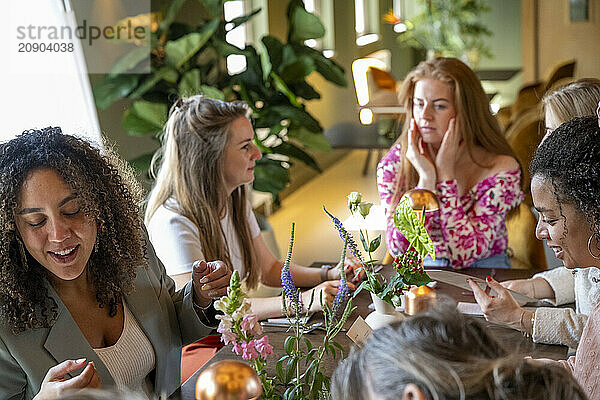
x=453 y=146
x=576 y=99
x=198 y=208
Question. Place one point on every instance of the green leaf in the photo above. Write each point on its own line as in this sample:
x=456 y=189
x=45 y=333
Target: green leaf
x=415 y=278
x=298 y=70
x=172 y=10
x=211 y=92
x=309 y=139
x=328 y=68
x=363 y=241
x=288 y=344
x=290 y=368
x=270 y=176
x=136 y=126
x=190 y=83
x=166 y=73
x=305 y=25
x=243 y=19
x=412 y=229
x=130 y=60
x=394 y=283
x=288 y=149
x=274 y=50
x=281 y=86
x=375 y=244
x=304 y=90
x=180 y=50
x=110 y=89
x=366 y=285
x=155 y=113
x=298 y=116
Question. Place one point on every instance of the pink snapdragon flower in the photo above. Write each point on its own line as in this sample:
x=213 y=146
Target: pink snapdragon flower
x=250 y=325
x=249 y=350
x=237 y=348
x=228 y=336
x=263 y=346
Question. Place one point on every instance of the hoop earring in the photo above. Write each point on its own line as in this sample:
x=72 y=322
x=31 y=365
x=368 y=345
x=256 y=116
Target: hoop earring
x=595 y=236
x=22 y=253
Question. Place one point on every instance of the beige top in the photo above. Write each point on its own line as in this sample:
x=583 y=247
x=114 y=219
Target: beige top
x=131 y=358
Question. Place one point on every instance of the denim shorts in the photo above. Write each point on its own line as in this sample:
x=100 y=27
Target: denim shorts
x=498 y=261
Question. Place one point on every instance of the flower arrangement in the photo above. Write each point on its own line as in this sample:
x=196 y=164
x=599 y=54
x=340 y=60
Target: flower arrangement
x=299 y=373
x=238 y=326
x=408 y=266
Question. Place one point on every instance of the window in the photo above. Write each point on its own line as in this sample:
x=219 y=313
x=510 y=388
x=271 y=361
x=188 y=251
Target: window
x=44 y=88
x=366 y=21
x=324 y=10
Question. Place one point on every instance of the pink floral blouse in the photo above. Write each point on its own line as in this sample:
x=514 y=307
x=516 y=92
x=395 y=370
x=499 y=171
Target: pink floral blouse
x=467 y=228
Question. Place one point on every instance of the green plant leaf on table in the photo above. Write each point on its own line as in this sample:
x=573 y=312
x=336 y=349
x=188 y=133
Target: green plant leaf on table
x=407 y=222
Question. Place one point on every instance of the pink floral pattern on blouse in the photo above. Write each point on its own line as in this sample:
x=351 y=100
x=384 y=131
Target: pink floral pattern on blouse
x=467 y=228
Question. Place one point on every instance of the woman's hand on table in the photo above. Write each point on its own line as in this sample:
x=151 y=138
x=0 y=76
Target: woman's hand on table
x=326 y=291
x=501 y=308
x=55 y=382
x=210 y=281
x=352 y=268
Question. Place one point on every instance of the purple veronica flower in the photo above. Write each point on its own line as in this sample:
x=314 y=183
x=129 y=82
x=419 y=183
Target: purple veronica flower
x=344 y=234
x=340 y=297
x=290 y=290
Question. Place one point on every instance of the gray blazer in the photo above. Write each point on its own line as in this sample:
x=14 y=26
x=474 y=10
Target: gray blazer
x=167 y=318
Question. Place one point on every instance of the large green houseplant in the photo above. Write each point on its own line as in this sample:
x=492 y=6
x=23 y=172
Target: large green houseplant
x=191 y=59
x=450 y=28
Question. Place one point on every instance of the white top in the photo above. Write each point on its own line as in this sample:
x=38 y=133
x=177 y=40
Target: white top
x=131 y=358
x=564 y=325
x=176 y=240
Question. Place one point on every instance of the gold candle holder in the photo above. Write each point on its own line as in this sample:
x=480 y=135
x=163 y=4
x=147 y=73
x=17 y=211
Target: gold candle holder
x=228 y=380
x=422 y=201
x=419 y=299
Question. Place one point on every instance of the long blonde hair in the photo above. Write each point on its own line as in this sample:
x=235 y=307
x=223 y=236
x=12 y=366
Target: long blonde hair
x=474 y=120
x=577 y=99
x=191 y=172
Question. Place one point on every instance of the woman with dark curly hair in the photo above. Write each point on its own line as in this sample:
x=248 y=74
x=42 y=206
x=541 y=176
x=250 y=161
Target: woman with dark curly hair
x=566 y=193
x=78 y=281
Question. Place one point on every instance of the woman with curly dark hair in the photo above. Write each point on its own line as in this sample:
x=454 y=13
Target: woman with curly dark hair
x=566 y=193
x=78 y=281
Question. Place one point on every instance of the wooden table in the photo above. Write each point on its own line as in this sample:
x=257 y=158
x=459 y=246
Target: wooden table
x=513 y=340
